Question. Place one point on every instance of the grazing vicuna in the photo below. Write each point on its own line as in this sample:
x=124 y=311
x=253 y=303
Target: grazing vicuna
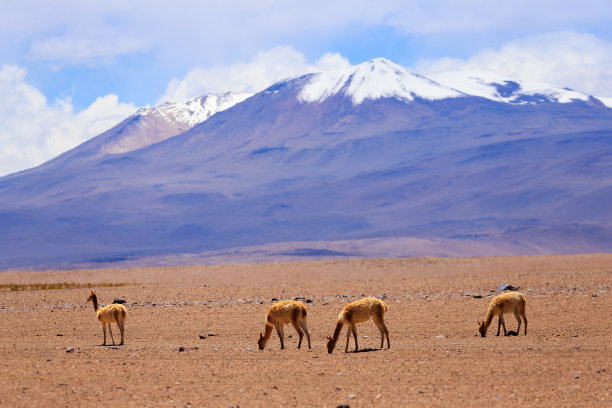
x=281 y=313
x=113 y=313
x=511 y=302
x=359 y=312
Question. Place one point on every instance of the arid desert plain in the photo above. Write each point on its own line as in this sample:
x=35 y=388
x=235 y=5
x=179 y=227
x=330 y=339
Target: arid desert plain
x=191 y=335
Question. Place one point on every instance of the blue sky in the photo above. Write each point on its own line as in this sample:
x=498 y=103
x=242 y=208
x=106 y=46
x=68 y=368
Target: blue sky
x=70 y=70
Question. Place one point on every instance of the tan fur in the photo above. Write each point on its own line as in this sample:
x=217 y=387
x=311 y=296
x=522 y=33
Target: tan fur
x=358 y=312
x=511 y=302
x=113 y=313
x=281 y=313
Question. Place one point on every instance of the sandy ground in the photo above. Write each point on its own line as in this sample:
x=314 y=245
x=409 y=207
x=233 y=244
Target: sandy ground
x=435 y=358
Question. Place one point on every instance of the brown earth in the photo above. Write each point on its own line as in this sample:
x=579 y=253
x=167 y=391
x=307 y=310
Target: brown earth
x=435 y=358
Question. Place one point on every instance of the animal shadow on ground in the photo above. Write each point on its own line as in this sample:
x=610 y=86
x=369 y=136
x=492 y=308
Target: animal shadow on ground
x=511 y=333
x=365 y=350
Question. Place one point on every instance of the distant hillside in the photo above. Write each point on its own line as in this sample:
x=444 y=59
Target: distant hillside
x=370 y=161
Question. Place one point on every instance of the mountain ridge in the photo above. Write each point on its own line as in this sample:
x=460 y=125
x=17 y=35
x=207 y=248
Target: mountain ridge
x=524 y=176
x=157 y=124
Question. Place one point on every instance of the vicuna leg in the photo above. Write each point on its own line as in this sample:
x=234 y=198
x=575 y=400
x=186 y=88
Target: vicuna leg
x=110 y=330
x=104 y=330
x=518 y=318
x=500 y=322
x=299 y=332
x=305 y=328
x=383 y=331
x=121 y=325
x=281 y=334
x=354 y=330
x=525 y=319
x=348 y=337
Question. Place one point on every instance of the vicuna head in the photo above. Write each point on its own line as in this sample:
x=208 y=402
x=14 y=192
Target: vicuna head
x=92 y=296
x=330 y=344
x=482 y=329
x=261 y=342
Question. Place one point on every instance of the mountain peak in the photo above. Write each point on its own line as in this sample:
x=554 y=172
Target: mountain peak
x=493 y=86
x=195 y=110
x=374 y=79
x=153 y=125
x=382 y=78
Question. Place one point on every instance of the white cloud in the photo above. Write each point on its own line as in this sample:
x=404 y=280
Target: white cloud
x=193 y=31
x=34 y=131
x=480 y=16
x=263 y=70
x=83 y=50
x=578 y=61
x=203 y=33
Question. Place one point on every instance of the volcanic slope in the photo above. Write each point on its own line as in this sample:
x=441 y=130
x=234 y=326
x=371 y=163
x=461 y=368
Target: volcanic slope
x=371 y=152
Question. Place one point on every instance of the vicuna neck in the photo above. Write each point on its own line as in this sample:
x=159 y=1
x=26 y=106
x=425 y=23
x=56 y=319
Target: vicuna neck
x=489 y=318
x=267 y=333
x=95 y=302
x=337 y=331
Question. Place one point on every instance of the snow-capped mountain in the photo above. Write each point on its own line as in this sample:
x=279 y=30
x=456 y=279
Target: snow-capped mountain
x=152 y=125
x=469 y=164
x=195 y=110
x=379 y=78
x=492 y=86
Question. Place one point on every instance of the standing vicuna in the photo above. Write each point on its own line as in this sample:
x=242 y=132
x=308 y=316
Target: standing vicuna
x=359 y=312
x=281 y=313
x=511 y=302
x=109 y=314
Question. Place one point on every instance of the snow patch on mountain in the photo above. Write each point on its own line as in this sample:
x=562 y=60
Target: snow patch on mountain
x=153 y=125
x=381 y=78
x=497 y=88
x=378 y=78
x=195 y=110
x=606 y=101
